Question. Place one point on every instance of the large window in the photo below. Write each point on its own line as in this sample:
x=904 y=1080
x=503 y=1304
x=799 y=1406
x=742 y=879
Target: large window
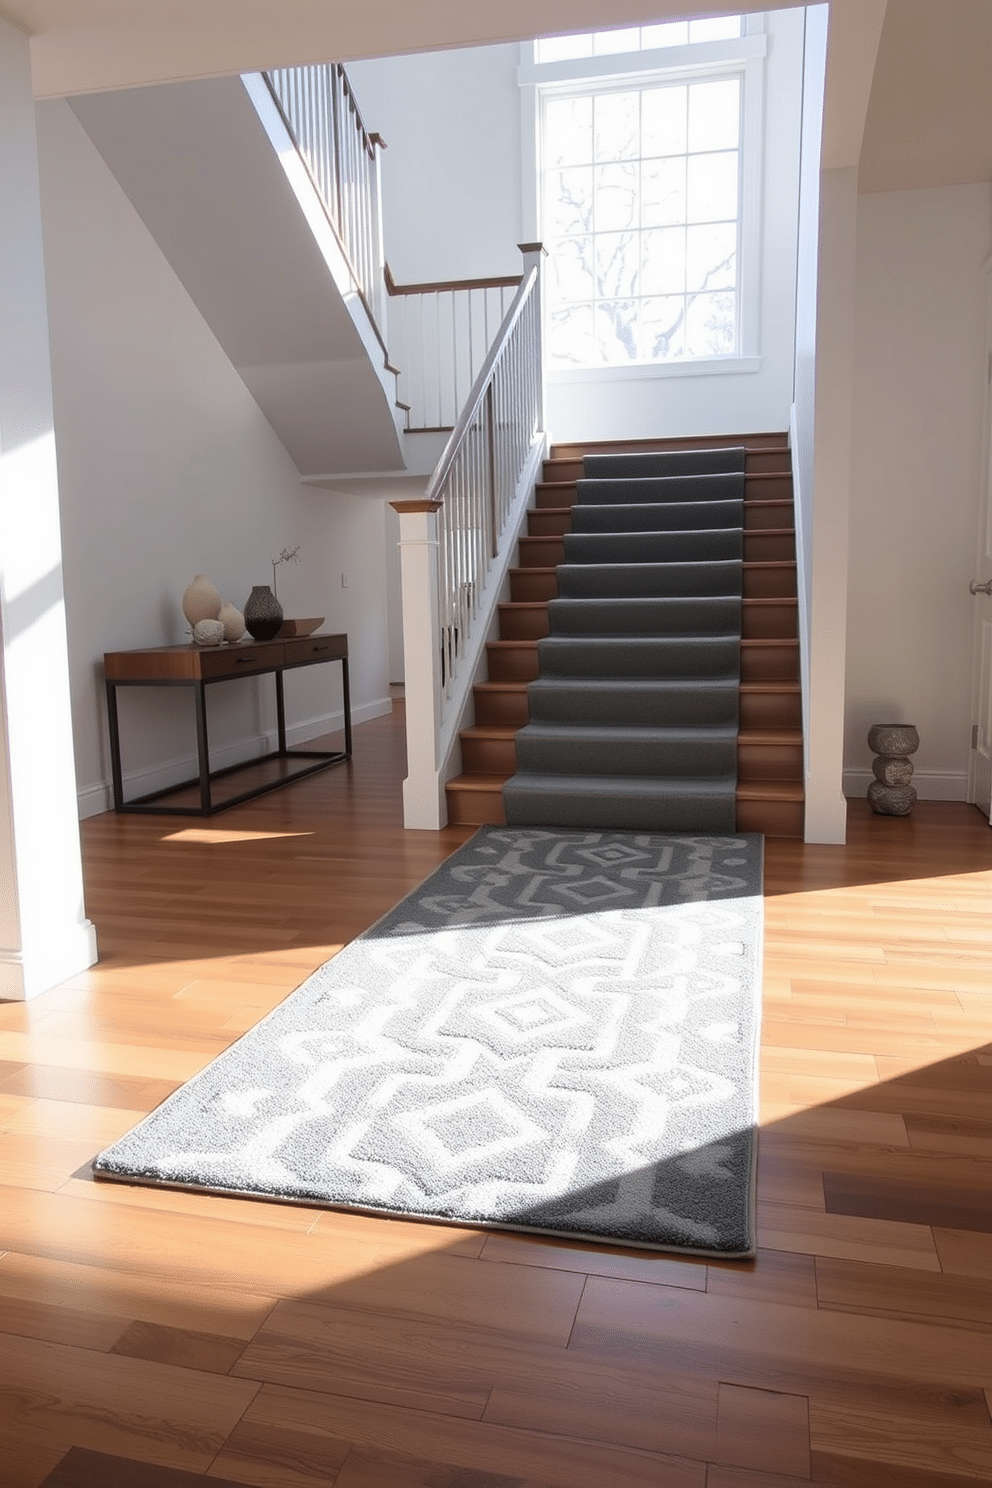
x=641 y=201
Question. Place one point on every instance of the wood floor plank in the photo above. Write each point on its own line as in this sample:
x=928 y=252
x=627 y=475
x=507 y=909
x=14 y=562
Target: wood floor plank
x=595 y=1260
x=80 y=1468
x=373 y=1351
x=903 y=1200
x=887 y=1243
x=124 y=1296
x=766 y=1429
x=862 y=1444
x=559 y=1461
x=886 y=1291
x=768 y=1344
x=127 y=1407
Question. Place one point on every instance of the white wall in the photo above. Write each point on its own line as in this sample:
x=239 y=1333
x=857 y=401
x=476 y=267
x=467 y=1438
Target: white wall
x=451 y=170
x=617 y=406
x=167 y=467
x=918 y=391
x=452 y=207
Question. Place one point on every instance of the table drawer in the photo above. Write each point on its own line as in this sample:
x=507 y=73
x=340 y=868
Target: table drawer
x=241 y=661
x=315 y=648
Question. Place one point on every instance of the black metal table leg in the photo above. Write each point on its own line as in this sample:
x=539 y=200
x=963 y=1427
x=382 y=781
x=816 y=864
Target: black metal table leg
x=346 y=697
x=280 y=714
x=115 y=747
x=202 y=748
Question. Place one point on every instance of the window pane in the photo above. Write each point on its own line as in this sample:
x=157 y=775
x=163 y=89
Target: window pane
x=616 y=331
x=663 y=192
x=711 y=256
x=616 y=196
x=663 y=121
x=563 y=48
x=617 y=117
x=570 y=270
x=568 y=131
x=571 y=342
x=604 y=43
x=662 y=328
x=712 y=187
x=720 y=28
x=617 y=264
x=568 y=197
x=663 y=261
x=710 y=329
x=669 y=33
x=714 y=115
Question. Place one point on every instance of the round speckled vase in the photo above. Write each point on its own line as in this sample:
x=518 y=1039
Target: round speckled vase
x=263 y=613
x=890 y=793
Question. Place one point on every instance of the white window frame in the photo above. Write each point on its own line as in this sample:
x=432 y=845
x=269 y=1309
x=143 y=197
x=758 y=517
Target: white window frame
x=743 y=56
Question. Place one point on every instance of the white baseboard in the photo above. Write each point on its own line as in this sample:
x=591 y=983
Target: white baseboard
x=931 y=785
x=99 y=797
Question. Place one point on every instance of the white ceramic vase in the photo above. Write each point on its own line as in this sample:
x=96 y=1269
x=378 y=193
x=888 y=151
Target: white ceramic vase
x=233 y=621
x=208 y=633
x=201 y=601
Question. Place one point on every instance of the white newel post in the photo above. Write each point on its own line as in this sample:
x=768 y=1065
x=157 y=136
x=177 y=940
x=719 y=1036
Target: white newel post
x=424 y=803
x=45 y=936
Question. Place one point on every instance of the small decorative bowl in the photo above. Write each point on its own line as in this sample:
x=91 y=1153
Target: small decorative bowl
x=301 y=627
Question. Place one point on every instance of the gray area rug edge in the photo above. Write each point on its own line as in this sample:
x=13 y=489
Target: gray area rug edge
x=114 y=1164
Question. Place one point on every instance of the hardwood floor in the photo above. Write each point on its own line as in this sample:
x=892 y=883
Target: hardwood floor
x=151 y=1338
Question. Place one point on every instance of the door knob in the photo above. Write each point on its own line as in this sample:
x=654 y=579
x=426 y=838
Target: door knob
x=976 y=588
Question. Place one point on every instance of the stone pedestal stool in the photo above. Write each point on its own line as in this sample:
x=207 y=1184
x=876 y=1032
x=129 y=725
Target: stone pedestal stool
x=890 y=793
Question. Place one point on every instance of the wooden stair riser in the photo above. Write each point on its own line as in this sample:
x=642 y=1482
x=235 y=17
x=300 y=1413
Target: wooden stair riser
x=769 y=619
x=529 y=584
x=480 y=804
x=496 y=754
x=488 y=754
x=757 y=462
x=771 y=818
x=765 y=705
x=576 y=451
x=769 y=761
x=765 y=619
x=547 y=549
x=764 y=487
x=502 y=706
x=761 y=660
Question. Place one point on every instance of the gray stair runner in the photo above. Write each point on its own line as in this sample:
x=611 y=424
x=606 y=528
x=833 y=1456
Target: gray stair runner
x=634 y=714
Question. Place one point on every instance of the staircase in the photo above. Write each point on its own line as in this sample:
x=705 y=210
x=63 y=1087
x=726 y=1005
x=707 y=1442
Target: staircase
x=769 y=792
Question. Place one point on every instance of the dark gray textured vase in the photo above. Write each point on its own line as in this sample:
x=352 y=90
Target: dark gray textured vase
x=263 y=613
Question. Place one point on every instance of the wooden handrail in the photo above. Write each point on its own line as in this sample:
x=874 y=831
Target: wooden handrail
x=444 y=286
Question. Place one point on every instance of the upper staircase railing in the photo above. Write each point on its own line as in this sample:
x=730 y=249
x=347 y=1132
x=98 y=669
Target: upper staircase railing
x=456 y=542
x=319 y=110
x=439 y=336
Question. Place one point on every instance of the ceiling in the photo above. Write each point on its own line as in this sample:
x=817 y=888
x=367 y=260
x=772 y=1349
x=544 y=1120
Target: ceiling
x=929 y=120
x=928 y=98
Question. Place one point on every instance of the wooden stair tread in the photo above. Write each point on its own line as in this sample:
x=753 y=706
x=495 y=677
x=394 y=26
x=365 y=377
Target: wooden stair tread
x=767 y=441
x=476 y=782
x=770 y=736
x=770 y=790
x=489 y=731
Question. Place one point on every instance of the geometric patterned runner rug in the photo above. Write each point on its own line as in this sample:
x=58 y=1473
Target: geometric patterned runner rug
x=556 y=1032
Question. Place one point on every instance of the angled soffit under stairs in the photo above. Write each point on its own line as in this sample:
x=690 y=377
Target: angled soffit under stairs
x=207 y=181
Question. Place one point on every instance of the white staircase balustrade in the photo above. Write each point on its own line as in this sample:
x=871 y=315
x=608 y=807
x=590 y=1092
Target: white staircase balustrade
x=439 y=336
x=457 y=542
x=322 y=115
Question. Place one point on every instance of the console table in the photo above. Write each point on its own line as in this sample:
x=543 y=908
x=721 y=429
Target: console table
x=196 y=667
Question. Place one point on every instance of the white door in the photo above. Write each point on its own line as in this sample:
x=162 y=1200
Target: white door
x=981 y=587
